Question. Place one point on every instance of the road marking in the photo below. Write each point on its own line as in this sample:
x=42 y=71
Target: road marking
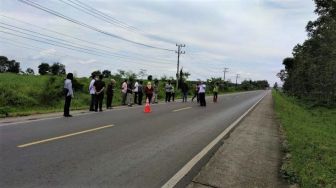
x=63 y=136
x=187 y=167
x=186 y=108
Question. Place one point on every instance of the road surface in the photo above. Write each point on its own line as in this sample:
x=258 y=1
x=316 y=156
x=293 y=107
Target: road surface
x=118 y=148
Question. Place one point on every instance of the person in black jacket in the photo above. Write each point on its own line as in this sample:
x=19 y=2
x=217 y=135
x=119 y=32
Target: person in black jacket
x=129 y=93
x=185 y=89
x=99 y=87
x=109 y=94
x=140 y=92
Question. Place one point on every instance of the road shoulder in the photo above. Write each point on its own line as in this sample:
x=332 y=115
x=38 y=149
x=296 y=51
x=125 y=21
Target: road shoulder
x=250 y=157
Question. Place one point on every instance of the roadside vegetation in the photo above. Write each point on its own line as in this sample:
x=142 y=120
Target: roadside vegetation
x=311 y=137
x=306 y=105
x=26 y=94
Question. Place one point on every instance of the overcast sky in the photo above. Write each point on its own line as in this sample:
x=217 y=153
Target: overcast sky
x=250 y=37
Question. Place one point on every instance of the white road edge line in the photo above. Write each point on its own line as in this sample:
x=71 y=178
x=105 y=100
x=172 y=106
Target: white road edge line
x=186 y=168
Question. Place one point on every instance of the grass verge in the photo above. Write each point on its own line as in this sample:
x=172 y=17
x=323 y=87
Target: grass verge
x=311 y=137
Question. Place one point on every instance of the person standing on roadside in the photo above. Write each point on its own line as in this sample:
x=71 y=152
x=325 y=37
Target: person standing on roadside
x=215 y=92
x=172 y=93
x=140 y=92
x=109 y=94
x=129 y=93
x=196 y=93
x=68 y=91
x=201 y=93
x=123 y=92
x=156 y=91
x=136 y=91
x=99 y=86
x=168 y=89
x=184 y=89
x=92 y=92
x=149 y=92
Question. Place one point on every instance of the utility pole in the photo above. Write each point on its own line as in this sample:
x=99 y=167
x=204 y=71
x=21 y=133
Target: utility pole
x=237 y=76
x=179 y=52
x=225 y=71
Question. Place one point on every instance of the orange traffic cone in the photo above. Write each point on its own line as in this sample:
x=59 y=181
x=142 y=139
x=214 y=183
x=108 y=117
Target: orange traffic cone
x=147 y=107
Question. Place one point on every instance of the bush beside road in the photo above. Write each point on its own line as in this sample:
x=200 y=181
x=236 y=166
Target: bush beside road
x=311 y=137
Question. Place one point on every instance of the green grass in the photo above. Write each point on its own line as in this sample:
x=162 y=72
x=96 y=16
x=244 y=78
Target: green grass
x=311 y=136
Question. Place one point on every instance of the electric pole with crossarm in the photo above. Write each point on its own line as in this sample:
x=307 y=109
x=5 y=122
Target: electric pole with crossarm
x=179 y=52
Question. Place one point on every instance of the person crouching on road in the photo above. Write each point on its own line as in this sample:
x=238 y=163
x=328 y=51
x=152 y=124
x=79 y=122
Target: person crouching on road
x=201 y=93
x=149 y=92
x=109 y=94
x=129 y=93
x=92 y=91
x=99 y=86
x=215 y=92
x=68 y=91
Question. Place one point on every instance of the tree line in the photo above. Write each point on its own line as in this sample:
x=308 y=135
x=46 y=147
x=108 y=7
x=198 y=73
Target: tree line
x=311 y=73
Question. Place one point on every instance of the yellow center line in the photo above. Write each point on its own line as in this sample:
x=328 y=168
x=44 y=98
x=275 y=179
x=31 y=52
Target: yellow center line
x=186 y=108
x=63 y=136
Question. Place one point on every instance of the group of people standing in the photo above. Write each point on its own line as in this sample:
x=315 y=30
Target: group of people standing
x=132 y=93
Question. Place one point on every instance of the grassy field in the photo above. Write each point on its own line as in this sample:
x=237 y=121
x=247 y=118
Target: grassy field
x=311 y=136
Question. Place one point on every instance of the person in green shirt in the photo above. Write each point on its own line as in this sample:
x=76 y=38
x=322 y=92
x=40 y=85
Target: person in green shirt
x=215 y=92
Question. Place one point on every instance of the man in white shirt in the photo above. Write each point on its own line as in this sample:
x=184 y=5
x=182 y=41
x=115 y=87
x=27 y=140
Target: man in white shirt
x=136 y=91
x=68 y=94
x=124 y=92
x=92 y=92
x=201 y=93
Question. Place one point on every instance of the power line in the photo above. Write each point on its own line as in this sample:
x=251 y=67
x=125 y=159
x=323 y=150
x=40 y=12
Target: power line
x=33 y=48
x=82 y=40
x=97 y=14
x=64 y=42
x=38 y=6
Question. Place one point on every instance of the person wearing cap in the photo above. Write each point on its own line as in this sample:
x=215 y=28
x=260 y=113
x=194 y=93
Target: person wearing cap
x=149 y=92
x=110 y=93
x=92 y=92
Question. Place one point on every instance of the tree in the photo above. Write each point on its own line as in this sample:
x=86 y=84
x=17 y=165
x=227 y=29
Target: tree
x=275 y=86
x=43 y=68
x=142 y=73
x=96 y=73
x=106 y=73
x=311 y=73
x=29 y=71
x=9 y=66
x=150 y=77
x=57 y=69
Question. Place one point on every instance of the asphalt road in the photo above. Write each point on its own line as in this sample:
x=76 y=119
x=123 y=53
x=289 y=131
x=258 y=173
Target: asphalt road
x=118 y=148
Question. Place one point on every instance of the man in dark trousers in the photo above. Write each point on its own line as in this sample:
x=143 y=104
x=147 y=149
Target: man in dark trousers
x=99 y=87
x=185 y=89
x=92 y=92
x=110 y=93
x=140 y=92
x=68 y=92
x=201 y=93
